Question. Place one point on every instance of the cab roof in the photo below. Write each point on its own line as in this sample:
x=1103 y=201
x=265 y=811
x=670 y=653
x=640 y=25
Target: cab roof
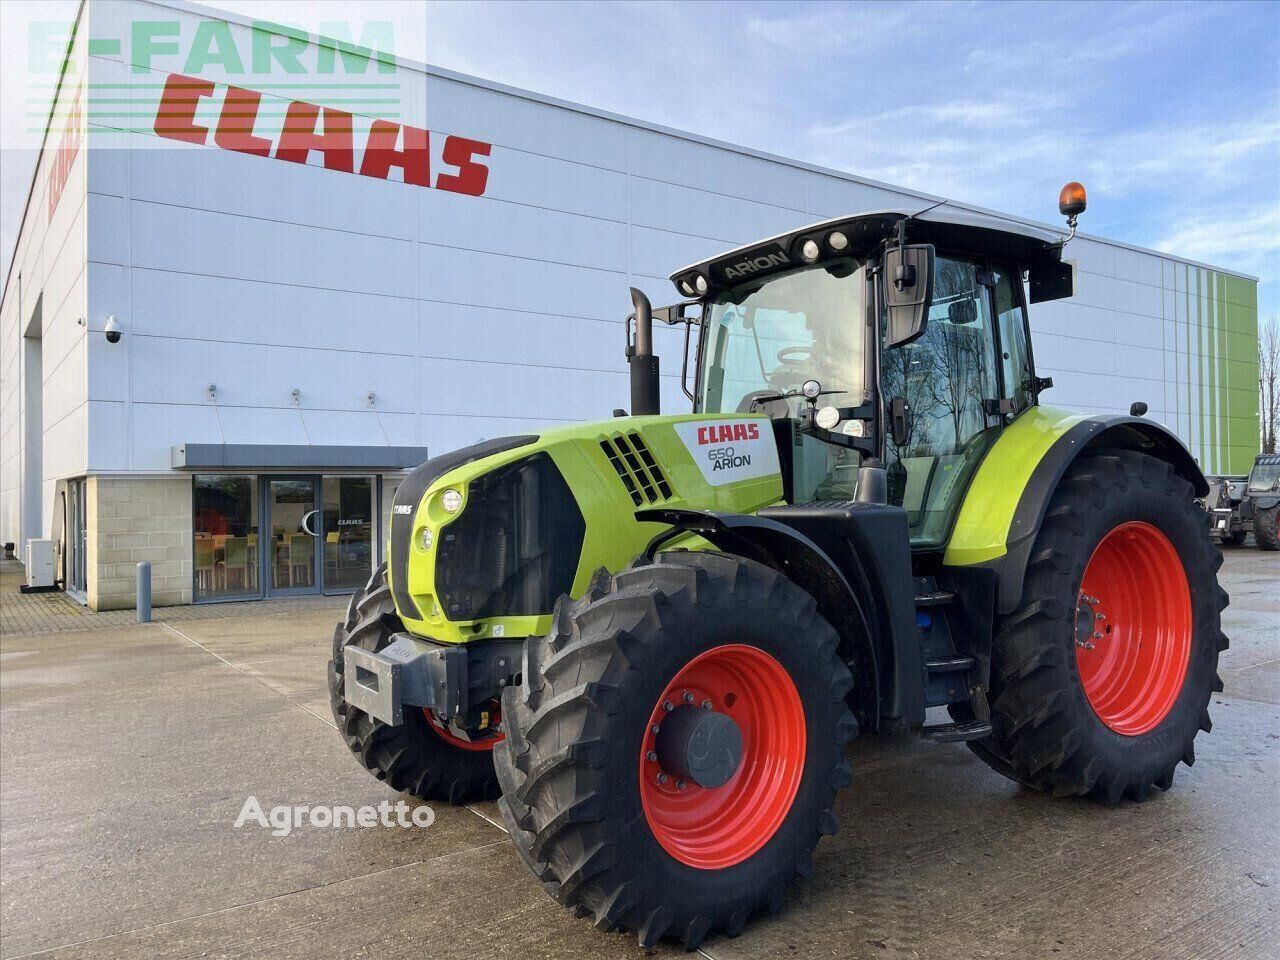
x=944 y=226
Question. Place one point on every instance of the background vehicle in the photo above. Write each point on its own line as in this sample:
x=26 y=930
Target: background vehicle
x=666 y=628
x=1239 y=506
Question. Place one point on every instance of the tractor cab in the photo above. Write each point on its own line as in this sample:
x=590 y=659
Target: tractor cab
x=910 y=331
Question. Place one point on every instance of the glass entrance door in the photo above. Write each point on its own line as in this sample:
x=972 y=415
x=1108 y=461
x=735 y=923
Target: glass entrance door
x=76 y=537
x=317 y=534
x=293 y=554
x=348 y=527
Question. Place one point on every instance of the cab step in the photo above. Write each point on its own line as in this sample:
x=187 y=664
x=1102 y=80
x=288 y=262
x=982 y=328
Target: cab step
x=979 y=728
x=950 y=664
x=934 y=598
x=957 y=732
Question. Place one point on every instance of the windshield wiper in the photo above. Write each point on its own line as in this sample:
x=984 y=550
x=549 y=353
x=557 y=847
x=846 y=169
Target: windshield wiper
x=770 y=397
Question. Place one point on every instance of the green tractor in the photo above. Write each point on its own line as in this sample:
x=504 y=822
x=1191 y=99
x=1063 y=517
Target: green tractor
x=651 y=638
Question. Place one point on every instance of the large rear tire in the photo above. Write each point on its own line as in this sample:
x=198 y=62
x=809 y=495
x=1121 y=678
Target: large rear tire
x=1101 y=678
x=596 y=808
x=418 y=757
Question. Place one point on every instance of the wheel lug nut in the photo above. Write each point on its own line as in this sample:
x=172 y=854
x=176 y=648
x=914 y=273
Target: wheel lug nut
x=1097 y=636
x=688 y=697
x=663 y=778
x=651 y=757
x=668 y=706
x=706 y=704
x=655 y=729
x=1100 y=616
x=680 y=785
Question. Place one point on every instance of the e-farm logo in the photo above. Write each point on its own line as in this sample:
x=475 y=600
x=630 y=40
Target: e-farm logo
x=194 y=45
x=235 y=86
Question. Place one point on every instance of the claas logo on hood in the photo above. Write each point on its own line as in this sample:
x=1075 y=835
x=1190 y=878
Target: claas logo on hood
x=727 y=432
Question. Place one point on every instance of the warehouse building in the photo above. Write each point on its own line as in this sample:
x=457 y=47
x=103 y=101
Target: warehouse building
x=260 y=274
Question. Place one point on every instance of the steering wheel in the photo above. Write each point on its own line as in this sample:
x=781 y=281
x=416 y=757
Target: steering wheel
x=795 y=353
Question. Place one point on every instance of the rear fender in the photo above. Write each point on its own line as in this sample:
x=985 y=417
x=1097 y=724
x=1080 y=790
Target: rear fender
x=800 y=559
x=1006 y=503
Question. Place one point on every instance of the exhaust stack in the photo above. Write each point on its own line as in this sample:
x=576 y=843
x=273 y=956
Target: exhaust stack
x=641 y=359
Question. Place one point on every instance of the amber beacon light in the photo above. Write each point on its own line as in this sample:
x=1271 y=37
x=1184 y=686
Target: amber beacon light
x=1071 y=203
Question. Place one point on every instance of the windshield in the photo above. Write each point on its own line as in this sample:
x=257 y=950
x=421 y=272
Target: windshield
x=1264 y=476
x=770 y=335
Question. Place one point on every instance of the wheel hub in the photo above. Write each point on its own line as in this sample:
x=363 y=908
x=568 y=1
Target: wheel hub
x=699 y=746
x=1088 y=616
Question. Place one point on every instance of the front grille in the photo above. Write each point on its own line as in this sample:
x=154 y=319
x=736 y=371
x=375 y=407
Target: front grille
x=516 y=546
x=637 y=469
x=405 y=507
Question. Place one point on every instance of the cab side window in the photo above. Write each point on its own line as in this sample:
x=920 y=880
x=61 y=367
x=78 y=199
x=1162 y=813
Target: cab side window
x=946 y=377
x=1015 y=362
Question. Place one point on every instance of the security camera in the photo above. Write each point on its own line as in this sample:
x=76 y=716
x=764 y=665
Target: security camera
x=112 y=330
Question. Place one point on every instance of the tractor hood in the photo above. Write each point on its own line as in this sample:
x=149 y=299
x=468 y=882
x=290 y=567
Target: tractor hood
x=483 y=540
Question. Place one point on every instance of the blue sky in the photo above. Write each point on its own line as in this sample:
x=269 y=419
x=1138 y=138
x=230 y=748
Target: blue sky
x=1168 y=112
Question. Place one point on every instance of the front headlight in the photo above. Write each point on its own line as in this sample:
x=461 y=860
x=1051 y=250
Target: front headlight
x=451 y=500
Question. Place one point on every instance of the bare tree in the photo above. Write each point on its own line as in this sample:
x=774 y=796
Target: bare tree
x=1268 y=377
x=958 y=388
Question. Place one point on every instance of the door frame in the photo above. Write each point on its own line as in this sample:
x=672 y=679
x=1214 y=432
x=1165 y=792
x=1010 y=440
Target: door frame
x=375 y=523
x=265 y=536
x=77 y=537
x=267 y=559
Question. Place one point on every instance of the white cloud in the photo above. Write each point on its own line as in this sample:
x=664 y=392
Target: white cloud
x=1212 y=156
x=831 y=28
x=1249 y=242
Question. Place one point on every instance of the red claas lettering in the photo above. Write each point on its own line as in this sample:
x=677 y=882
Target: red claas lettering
x=472 y=177
x=728 y=433
x=381 y=153
x=312 y=127
x=299 y=137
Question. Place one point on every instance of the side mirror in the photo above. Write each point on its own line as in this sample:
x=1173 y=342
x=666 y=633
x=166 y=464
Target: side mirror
x=908 y=291
x=963 y=312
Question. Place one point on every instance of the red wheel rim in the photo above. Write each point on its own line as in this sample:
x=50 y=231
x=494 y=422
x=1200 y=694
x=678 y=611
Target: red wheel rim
x=716 y=828
x=442 y=731
x=1133 y=628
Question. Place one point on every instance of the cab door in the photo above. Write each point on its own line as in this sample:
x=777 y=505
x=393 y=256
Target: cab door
x=1013 y=342
x=951 y=383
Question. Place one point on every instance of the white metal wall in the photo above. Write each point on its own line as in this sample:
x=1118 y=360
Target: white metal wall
x=465 y=316
x=41 y=315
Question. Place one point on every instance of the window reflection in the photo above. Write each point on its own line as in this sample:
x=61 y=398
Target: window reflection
x=348 y=531
x=225 y=530
x=946 y=377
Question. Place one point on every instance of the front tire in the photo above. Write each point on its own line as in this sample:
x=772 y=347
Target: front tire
x=1266 y=528
x=587 y=795
x=417 y=757
x=1101 y=678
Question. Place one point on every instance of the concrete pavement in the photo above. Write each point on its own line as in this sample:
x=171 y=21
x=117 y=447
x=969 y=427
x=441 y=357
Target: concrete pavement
x=127 y=752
